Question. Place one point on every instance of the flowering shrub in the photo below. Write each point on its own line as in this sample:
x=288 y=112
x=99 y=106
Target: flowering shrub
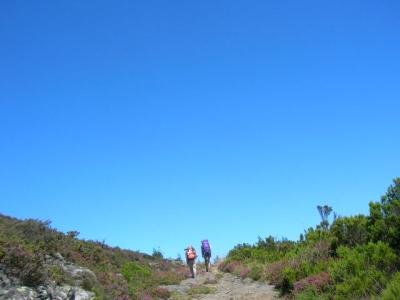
x=162 y=293
x=169 y=277
x=232 y=267
x=245 y=272
x=25 y=265
x=318 y=282
x=274 y=271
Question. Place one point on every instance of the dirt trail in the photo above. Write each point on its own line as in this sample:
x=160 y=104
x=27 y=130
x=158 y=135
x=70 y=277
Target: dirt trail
x=217 y=285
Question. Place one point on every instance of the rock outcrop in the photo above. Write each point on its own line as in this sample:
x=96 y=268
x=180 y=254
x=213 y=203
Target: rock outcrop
x=79 y=279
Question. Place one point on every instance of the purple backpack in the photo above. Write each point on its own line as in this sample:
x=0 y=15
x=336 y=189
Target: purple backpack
x=205 y=247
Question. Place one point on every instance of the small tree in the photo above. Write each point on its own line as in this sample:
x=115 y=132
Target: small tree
x=73 y=234
x=179 y=257
x=157 y=254
x=324 y=212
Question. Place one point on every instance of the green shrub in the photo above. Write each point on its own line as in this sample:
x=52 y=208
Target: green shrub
x=34 y=272
x=363 y=271
x=315 y=235
x=290 y=275
x=201 y=290
x=351 y=231
x=240 y=252
x=392 y=291
x=308 y=294
x=88 y=281
x=264 y=251
x=139 y=277
x=60 y=276
x=256 y=272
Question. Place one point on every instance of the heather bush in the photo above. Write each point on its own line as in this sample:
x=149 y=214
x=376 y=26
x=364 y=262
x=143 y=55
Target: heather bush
x=284 y=273
x=143 y=295
x=27 y=266
x=253 y=271
x=169 y=277
x=234 y=267
x=274 y=271
x=245 y=272
x=34 y=272
x=161 y=293
x=316 y=283
x=316 y=252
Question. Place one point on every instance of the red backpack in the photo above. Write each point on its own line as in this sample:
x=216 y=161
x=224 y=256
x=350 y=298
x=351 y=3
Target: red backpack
x=191 y=253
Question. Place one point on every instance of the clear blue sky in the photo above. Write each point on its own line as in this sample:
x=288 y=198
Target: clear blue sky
x=158 y=123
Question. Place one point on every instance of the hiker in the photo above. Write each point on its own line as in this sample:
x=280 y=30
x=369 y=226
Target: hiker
x=191 y=256
x=206 y=253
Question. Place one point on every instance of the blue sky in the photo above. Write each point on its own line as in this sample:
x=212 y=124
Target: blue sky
x=158 y=123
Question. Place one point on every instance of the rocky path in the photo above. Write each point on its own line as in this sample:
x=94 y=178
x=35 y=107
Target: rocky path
x=217 y=285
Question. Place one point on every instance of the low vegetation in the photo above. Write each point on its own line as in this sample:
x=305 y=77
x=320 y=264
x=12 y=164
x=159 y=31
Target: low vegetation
x=121 y=274
x=200 y=290
x=354 y=257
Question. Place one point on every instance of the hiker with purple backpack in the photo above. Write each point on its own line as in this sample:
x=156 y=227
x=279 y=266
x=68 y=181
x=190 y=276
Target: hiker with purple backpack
x=206 y=253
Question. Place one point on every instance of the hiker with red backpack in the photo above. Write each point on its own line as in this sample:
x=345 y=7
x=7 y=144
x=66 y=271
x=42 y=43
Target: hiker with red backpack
x=191 y=256
x=206 y=253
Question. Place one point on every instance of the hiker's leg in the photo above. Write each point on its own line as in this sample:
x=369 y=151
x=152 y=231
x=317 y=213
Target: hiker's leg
x=194 y=268
x=206 y=261
x=190 y=264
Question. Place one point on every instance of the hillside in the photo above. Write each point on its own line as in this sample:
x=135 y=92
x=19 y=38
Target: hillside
x=39 y=262
x=354 y=257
